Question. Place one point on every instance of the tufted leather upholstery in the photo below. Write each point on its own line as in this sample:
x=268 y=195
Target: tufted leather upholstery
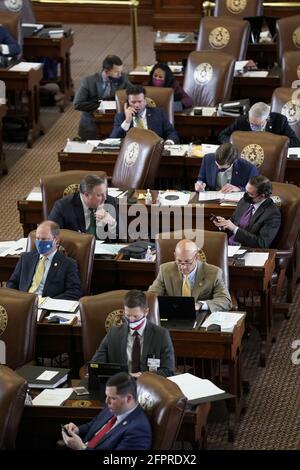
x=94 y=311
x=273 y=148
x=251 y=8
x=288 y=32
x=18 y=326
x=232 y=39
x=287 y=239
x=81 y=247
x=165 y=405
x=12 y=396
x=283 y=103
x=210 y=84
x=290 y=68
x=214 y=247
x=12 y=21
x=138 y=161
x=163 y=98
x=53 y=186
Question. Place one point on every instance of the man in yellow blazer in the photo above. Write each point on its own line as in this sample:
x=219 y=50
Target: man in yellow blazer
x=191 y=277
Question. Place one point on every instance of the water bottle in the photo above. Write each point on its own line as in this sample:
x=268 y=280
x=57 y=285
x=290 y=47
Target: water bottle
x=190 y=150
x=148 y=198
x=148 y=256
x=158 y=36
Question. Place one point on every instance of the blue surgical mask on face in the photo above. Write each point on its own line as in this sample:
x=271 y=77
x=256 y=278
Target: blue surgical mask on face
x=44 y=246
x=135 y=324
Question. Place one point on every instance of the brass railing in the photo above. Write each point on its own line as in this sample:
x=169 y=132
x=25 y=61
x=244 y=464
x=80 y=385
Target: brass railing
x=132 y=4
x=208 y=6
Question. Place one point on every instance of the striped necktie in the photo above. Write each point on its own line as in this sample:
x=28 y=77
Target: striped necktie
x=139 y=122
x=186 y=287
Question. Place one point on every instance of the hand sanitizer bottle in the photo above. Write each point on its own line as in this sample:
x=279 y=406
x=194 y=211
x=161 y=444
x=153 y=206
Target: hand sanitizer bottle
x=148 y=198
x=148 y=256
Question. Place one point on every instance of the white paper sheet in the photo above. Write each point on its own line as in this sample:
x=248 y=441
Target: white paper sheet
x=78 y=147
x=37 y=26
x=173 y=37
x=232 y=250
x=108 y=249
x=65 y=318
x=47 y=375
x=209 y=148
x=240 y=64
x=294 y=152
x=256 y=73
x=218 y=195
x=35 y=195
x=226 y=320
x=52 y=397
x=15 y=248
x=107 y=105
x=114 y=192
x=59 y=305
x=177 y=150
x=25 y=66
x=255 y=259
x=175 y=198
x=193 y=387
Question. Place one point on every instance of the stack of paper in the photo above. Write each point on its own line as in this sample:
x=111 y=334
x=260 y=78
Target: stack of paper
x=65 y=318
x=294 y=152
x=58 y=305
x=226 y=320
x=78 y=147
x=177 y=150
x=218 y=195
x=35 y=195
x=52 y=397
x=25 y=66
x=256 y=258
x=108 y=248
x=174 y=37
x=193 y=387
x=12 y=248
x=107 y=105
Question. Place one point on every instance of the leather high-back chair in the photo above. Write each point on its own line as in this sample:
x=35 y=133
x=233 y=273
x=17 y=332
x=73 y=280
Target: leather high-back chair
x=164 y=404
x=81 y=247
x=56 y=186
x=12 y=21
x=214 y=249
x=267 y=151
x=290 y=68
x=238 y=9
x=287 y=239
x=138 y=161
x=100 y=312
x=12 y=396
x=18 y=314
x=163 y=98
x=283 y=102
x=224 y=34
x=23 y=8
x=208 y=77
x=288 y=35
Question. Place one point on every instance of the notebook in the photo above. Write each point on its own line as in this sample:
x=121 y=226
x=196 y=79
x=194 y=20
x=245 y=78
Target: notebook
x=179 y=312
x=99 y=373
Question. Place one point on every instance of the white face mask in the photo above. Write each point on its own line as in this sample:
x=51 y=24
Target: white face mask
x=135 y=325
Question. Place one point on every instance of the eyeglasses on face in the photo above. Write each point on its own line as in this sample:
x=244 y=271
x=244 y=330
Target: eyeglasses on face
x=186 y=263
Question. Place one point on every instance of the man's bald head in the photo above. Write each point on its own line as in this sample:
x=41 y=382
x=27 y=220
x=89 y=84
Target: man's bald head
x=185 y=255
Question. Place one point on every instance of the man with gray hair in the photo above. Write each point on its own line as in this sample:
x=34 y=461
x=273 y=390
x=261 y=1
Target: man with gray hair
x=90 y=210
x=260 y=119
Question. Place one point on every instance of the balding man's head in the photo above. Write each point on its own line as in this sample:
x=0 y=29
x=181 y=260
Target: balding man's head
x=185 y=255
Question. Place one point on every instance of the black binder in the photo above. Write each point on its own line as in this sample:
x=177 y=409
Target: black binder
x=31 y=374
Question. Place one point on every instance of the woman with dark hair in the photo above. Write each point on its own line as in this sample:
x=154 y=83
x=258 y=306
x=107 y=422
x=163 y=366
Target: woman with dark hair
x=161 y=75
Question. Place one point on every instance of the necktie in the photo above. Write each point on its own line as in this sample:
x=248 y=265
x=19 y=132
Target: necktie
x=186 y=287
x=101 y=433
x=243 y=223
x=92 y=227
x=136 y=353
x=139 y=122
x=107 y=90
x=38 y=275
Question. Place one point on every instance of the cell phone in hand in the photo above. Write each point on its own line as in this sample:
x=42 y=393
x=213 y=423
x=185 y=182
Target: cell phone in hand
x=81 y=391
x=213 y=217
x=65 y=430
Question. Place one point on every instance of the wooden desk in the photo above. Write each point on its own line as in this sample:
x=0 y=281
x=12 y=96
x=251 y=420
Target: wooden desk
x=58 y=49
x=3 y=165
x=254 y=88
x=204 y=128
x=18 y=83
x=263 y=54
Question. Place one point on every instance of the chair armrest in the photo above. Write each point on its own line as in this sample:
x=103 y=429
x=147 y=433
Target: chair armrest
x=235 y=306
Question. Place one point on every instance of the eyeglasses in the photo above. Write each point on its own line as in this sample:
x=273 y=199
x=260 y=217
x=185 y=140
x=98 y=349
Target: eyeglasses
x=185 y=263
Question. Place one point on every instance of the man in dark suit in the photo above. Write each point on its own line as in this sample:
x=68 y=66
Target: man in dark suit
x=256 y=219
x=89 y=211
x=224 y=171
x=47 y=272
x=260 y=119
x=139 y=343
x=100 y=86
x=8 y=45
x=122 y=425
x=138 y=114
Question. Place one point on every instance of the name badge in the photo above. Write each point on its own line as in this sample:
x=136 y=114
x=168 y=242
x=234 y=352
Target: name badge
x=153 y=364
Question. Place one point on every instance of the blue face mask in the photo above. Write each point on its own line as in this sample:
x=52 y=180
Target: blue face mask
x=43 y=246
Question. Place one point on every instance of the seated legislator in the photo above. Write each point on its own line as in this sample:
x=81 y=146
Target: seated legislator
x=47 y=272
x=162 y=76
x=261 y=119
x=189 y=276
x=138 y=114
x=8 y=45
x=137 y=341
x=256 y=219
x=224 y=171
x=122 y=425
x=90 y=210
x=100 y=86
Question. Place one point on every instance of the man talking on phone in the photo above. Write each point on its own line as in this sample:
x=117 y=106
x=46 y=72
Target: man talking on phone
x=138 y=114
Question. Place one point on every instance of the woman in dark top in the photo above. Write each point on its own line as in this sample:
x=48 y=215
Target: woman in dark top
x=162 y=76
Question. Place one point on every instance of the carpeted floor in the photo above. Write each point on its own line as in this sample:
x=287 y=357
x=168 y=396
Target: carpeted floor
x=272 y=419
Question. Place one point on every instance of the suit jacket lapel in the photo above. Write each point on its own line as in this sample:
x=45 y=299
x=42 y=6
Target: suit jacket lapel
x=31 y=268
x=79 y=212
x=124 y=343
x=259 y=211
x=54 y=269
x=198 y=280
x=148 y=333
x=99 y=84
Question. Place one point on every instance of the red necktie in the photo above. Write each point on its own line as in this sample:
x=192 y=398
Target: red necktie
x=99 y=434
x=136 y=353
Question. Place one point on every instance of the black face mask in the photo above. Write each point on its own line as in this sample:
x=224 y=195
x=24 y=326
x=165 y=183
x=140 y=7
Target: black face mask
x=115 y=80
x=248 y=198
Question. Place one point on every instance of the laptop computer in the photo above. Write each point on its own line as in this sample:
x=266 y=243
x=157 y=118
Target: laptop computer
x=179 y=312
x=99 y=373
